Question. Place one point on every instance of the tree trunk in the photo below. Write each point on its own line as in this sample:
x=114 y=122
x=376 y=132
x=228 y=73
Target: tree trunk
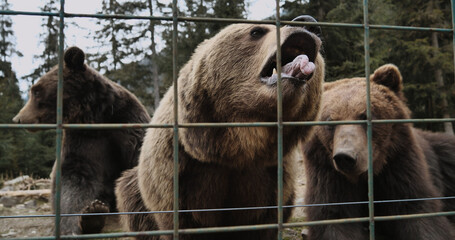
x=155 y=74
x=448 y=128
x=320 y=16
x=114 y=43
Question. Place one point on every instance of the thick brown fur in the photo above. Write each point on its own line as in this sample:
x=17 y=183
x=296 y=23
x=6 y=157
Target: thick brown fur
x=439 y=150
x=336 y=164
x=91 y=159
x=224 y=167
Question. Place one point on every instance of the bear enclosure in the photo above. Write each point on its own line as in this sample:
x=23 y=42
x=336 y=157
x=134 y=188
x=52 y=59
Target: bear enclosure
x=279 y=125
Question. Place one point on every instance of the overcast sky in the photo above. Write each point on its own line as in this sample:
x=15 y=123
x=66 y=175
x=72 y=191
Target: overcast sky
x=28 y=28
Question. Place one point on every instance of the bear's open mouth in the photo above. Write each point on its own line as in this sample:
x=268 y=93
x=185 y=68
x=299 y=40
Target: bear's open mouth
x=298 y=53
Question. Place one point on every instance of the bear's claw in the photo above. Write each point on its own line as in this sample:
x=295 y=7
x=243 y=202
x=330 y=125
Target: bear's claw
x=90 y=223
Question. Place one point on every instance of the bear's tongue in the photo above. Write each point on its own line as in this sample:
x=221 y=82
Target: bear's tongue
x=300 y=69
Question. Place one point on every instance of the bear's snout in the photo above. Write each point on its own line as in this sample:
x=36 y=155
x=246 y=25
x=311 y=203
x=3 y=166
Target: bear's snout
x=28 y=114
x=349 y=150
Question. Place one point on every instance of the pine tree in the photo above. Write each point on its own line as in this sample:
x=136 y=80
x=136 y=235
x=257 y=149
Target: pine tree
x=190 y=34
x=154 y=57
x=137 y=77
x=10 y=100
x=153 y=69
x=343 y=48
x=424 y=58
x=49 y=39
x=7 y=36
x=226 y=9
x=111 y=30
x=428 y=69
x=20 y=152
x=35 y=153
x=147 y=58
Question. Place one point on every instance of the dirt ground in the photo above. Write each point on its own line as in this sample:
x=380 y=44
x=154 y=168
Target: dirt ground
x=38 y=226
x=25 y=227
x=44 y=226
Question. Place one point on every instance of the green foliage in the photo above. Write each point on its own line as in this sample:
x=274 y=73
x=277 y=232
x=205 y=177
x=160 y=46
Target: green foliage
x=27 y=153
x=414 y=52
x=124 y=41
x=420 y=57
x=190 y=34
x=136 y=76
x=6 y=34
x=20 y=151
x=110 y=31
x=343 y=48
x=49 y=38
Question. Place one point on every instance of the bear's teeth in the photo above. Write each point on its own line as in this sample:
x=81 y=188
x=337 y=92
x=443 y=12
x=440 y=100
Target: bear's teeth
x=274 y=70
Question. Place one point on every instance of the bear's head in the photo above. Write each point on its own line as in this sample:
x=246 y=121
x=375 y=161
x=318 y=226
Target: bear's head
x=345 y=100
x=85 y=94
x=231 y=78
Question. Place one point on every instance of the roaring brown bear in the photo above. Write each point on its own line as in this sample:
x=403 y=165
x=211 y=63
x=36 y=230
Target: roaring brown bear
x=405 y=164
x=229 y=78
x=91 y=159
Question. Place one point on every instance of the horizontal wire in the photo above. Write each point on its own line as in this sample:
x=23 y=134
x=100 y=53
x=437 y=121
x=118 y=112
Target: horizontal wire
x=232 y=209
x=220 y=124
x=247 y=227
x=225 y=20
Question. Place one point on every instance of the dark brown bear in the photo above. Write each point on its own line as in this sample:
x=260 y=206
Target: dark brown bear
x=336 y=163
x=229 y=78
x=439 y=150
x=91 y=159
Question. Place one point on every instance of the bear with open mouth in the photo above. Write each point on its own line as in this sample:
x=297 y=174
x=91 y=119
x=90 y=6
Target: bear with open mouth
x=231 y=77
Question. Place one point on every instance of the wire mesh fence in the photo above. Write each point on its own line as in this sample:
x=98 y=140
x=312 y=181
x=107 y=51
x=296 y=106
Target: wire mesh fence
x=279 y=124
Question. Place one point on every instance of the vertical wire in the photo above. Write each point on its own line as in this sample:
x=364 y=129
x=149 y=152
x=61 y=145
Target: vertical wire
x=453 y=31
x=175 y=128
x=279 y=125
x=369 y=123
x=59 y=130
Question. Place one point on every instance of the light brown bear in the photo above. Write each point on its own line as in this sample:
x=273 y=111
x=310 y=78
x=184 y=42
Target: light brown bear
x=229 y=78
x=407 y=164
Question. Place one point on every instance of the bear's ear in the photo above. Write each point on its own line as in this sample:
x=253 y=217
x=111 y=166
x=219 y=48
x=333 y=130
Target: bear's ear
x=388 y=75
x=74 y=58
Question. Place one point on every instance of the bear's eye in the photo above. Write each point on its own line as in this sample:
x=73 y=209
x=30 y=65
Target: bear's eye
x=258 y=32
x=362 y=116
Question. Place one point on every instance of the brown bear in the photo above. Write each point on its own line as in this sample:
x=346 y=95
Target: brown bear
x=229 y=78
x=439 y=150
x=91 y=159
x=336 y=164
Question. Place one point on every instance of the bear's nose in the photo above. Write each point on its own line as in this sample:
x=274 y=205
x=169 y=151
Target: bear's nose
x=344 y=162
x=307 y=18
